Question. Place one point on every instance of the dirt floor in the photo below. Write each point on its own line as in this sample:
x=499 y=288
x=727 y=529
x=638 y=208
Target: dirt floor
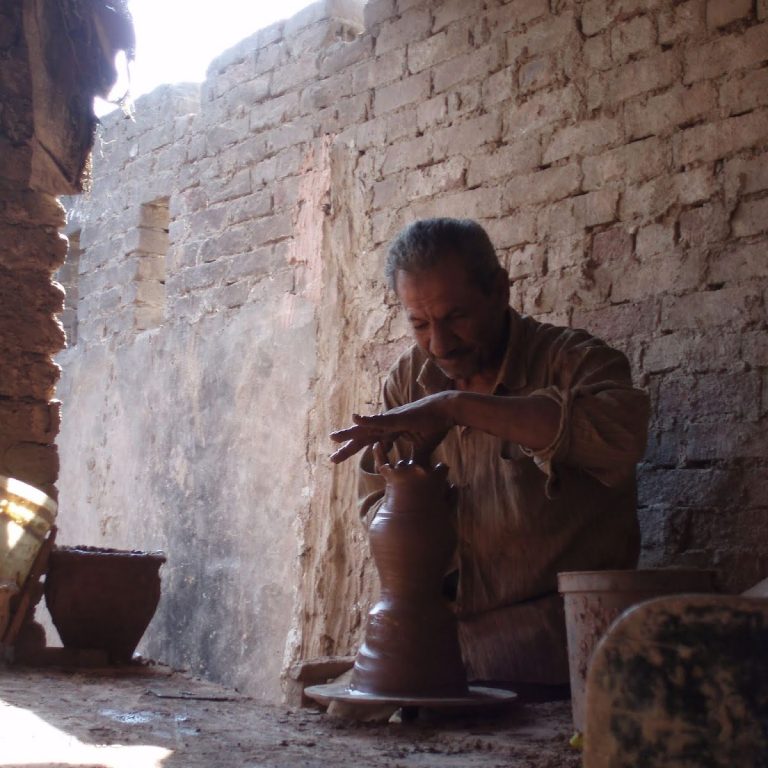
x=154 y=717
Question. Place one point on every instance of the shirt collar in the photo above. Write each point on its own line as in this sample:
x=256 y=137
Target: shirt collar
x=512 y=374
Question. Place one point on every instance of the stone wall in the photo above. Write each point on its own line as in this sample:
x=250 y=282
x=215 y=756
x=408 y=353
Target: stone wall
x=616 y=152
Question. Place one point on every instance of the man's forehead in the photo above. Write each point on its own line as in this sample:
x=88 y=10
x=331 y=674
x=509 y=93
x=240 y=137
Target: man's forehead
x=442 y=287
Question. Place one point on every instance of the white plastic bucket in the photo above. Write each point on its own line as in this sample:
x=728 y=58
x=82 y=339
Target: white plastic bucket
x=26 y=516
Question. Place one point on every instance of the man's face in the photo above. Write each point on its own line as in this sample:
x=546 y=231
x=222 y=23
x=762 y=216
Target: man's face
x=461 y=327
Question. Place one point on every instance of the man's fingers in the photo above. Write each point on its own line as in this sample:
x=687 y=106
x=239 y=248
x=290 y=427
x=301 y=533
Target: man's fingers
x=350 y=448
x=369 y=434
x=380 y=455
x=354 y=433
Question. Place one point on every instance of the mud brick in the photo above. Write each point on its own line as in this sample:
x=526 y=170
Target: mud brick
x=595 y=16
x=514 y=229
x=597 y=52
x=32 y=463
x=324 y=93
x=450 y=11
x=542 y=108
x=379 y=71
x=506 y=161
x=648 y=201
x=665 y=353
x=619 y=321
x=35 y=421
x=248 y=207
x=613 y=245
x=556 y=34
x=715 y=140
x=710 y=442
x=573 y=215
x=735 y=307
x=726 y=54
x=438 y=178
x=411 y=26
x=686 y=20
x=754 y=348
x=538 y=73
x=437 y=49
x=751 y=218
x=377 y=11
x=543 y=186
x=663 y=113
x=649 y=74
x=432 y=112
x=745 y=92
x=342 y=55
x=482 y=203
x=464 y=138
x=654 y=239
x=695 y=186
x=704 y=225
x=686 y=487
x=293 y=73
x=476 y=64
x=745 y=175
x=584 y=138
x=723 y=12
x=407 y=154
x=499 y=87
x=412 y=90
x=386 y=192
x=632 y=37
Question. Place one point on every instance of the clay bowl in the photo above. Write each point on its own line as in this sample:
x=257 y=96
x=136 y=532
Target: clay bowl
x=102 y=599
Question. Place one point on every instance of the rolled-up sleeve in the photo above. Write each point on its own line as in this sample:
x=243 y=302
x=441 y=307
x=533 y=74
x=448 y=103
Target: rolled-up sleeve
x=603 y=425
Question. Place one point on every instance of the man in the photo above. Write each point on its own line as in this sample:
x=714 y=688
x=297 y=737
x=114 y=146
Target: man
x=541 y=429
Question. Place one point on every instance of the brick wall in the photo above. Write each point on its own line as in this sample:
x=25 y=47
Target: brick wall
x=45 y=137
x=616 y=152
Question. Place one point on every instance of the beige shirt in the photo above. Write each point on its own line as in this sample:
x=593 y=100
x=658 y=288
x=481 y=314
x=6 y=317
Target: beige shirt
x=524 y=515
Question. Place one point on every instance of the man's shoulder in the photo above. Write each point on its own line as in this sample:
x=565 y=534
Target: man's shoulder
x=401 y=385
x=408 y=365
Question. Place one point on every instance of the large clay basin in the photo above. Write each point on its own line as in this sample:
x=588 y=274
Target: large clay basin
x=102 y=599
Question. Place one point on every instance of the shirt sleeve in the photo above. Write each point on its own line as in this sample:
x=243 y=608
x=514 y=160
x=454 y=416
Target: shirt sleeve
x=603 y=425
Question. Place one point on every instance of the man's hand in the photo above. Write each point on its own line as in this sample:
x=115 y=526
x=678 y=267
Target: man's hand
x=423 y=424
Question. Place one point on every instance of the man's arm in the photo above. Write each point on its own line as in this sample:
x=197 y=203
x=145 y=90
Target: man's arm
x=528 y=421
x=590 y=416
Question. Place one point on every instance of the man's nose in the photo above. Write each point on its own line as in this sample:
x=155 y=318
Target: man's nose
x=442 y=341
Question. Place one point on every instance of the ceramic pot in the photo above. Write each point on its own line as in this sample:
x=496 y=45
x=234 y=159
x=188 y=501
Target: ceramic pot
x=411 y=643
x=102 y=599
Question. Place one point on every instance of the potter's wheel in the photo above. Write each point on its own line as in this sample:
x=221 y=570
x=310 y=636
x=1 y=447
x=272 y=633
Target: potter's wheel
x=476 y=697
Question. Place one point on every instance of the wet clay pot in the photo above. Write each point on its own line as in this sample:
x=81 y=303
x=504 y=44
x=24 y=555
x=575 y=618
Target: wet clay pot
x=102 y=599
x=411 y=646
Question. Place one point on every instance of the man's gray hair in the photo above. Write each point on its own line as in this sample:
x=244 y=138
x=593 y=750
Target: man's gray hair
x=427 y=243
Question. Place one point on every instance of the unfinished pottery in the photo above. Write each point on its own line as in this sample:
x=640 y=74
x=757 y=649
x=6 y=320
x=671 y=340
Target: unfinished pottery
x=103 y=598
x=411 y=646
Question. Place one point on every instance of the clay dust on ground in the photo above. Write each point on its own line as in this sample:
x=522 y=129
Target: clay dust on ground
x=151 y=717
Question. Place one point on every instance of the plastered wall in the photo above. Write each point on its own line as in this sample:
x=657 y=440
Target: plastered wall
x=616 y=152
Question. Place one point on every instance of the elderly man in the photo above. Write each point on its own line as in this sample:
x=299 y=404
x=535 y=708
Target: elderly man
x=541 y=428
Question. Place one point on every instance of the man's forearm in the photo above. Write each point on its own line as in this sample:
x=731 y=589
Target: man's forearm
x=532 y=422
